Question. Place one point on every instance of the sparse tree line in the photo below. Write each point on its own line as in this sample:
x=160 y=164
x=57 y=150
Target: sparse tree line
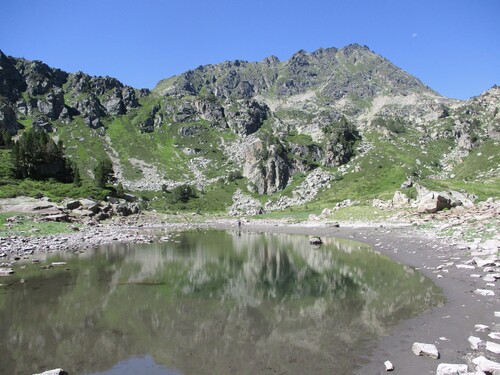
x=37 y=156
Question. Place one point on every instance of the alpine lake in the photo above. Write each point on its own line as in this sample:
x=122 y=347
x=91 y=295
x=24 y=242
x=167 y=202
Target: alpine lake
x=207 y=302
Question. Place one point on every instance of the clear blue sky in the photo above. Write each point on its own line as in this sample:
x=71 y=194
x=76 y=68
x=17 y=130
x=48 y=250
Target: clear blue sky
x=451 y=45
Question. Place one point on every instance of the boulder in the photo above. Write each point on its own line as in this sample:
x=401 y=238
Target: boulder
x=126 y=209
x=474 y=342
x=484 y=292
x=433 y=202
x=481 y=328
x=80 y=212
x=72 y=205
x=485 y=365
x=326 y=212
x=6 y=271
x=388 y=366
x=57 y=217
x=90 y=205
x=451 y=369
x=315 y=241
x=400 y=199
x=480 y=262
x=422 y=349
x=407 y=184
x=493 y=347
x=57 y=371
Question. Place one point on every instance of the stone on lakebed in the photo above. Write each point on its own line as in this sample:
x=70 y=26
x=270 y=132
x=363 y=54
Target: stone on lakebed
x=422 y=349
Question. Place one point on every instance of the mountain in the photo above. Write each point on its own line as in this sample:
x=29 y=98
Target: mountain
x=331 y=125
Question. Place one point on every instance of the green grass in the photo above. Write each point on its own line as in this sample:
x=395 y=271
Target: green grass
x=215 y=199
x=380 y=172
x=479 y=162
x=483 y=190
x=24 y=225
x=352 y=213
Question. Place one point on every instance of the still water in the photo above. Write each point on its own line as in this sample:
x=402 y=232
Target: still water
x=207 y=302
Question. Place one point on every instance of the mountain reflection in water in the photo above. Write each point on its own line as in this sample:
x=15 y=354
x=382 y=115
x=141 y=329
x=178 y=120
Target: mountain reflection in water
x=209 y=302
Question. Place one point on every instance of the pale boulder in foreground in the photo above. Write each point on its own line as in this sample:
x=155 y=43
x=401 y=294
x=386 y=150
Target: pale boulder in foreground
x=422 y=349
x=388 y=366
x=57 y=371
x=485 y=365
x=451 y=369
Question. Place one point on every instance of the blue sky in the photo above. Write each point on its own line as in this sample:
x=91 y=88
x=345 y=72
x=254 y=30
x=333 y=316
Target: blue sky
x=451 y=45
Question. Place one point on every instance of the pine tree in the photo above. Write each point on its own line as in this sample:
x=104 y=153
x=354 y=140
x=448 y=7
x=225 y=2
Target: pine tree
x=103 y=172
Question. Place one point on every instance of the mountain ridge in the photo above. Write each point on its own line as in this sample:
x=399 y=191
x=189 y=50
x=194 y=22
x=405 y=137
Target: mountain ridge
x=270 y=122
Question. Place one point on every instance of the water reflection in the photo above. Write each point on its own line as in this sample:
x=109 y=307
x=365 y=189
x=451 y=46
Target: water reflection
x=209 y=302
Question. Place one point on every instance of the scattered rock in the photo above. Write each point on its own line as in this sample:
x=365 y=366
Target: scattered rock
x=484 y=262
x=474 y=342
x=57 y=218
x=466 y=266
x=244 y=205
x=400 y=199
x=422 y=349
x=6 y=271
x=484 y=292
x=494 y=335
x=388 y=366
x=451 y=369
x=481 y=328
x=493 y=347
x=433 y=202
x=485 y=365
x=57 y=371
x=56 y=264
x=72 y=205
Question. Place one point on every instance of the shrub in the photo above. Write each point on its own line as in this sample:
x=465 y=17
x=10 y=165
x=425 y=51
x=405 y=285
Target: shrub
x=183 y=193
x=234 y=175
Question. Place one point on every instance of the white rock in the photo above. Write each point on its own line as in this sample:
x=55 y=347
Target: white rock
x=6 y=271
x=57 y=371
x=491 y=245
x=497 y=314
x=481 y=328
x=494 y=335
x=326 y=212
x=475 y=275
x=55 y=264
x=466 y=266
x=480 y=262
x=429 y=350
x=483 y=364
x=451 y=369
x=474 y=342
x=388 y=366
x=484 y=292
x=489 y=269
x=490 y=278
x=493 y=347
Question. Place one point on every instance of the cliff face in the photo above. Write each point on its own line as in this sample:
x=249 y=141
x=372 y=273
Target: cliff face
x=271 y=121
x=31 y=89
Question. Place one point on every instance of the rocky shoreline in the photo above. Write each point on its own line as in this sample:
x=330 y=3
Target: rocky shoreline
x=467 y=269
